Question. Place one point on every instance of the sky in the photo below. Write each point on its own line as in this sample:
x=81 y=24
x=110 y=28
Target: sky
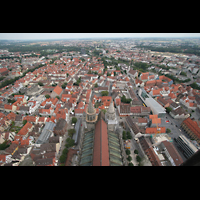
x=46 y=36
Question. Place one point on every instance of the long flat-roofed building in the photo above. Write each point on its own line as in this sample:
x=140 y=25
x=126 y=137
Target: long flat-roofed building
x=156 y=108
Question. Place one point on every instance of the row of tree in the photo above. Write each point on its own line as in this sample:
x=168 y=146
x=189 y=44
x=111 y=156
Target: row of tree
x=176 y=80
x=126 y=135
x=178 y=49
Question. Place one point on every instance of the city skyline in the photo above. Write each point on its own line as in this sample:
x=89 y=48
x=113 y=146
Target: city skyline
x=59 y=36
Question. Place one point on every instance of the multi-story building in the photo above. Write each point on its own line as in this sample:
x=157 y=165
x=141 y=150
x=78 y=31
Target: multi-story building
x=191 y=128
x=188 y=148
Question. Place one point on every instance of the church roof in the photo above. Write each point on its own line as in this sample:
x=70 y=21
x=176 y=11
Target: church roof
x=101 y=149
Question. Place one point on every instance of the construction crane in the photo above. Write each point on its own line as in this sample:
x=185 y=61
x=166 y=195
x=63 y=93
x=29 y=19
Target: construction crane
x=158 y=129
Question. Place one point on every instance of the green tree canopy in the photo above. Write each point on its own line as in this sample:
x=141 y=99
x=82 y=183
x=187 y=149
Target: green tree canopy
x=104 y=93
x=129 y=158
x=74 y=120
x=128 y=152
x=47 y=96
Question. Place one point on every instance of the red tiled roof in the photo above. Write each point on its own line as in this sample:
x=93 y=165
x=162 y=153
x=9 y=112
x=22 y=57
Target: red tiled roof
x=30 y=118
x=25 y=128
x=156 y=121
x=101 y=150
x=3 y=70
x=118 y=101
x=57 y=90
x=153 y=130
x=193 y=126
x=156 y=92
x=153 y=116
x=78 y=110
x=135 y=109
x=6 y=106
x=172 y=95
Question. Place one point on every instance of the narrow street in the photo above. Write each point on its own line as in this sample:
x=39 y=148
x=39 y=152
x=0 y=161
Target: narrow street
x=64 y=139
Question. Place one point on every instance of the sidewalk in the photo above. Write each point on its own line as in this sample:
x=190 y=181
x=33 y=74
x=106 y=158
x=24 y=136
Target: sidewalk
x=133 y=155
x=64 y=140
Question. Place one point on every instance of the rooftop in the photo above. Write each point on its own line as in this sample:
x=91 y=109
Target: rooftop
x=46 y=132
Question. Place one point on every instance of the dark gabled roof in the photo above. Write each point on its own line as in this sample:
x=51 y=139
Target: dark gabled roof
x=124 y=108
x=162 y=100
x=173 y=152
x=24 y=108
x=146 y=145
x=60 y=124
x=54 y=139
x=43 y=161
x=179 y=111
x=132 y=125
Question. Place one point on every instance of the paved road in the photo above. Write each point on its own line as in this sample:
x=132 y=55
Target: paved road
x=64 y=139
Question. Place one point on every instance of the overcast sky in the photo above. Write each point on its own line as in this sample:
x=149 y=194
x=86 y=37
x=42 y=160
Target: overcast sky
x=45 y=36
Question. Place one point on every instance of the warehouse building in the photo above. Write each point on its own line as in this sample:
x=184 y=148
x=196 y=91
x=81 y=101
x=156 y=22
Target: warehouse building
x=156 y=108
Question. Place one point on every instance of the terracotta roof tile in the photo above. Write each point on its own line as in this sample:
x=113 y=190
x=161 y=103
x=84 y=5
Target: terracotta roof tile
x=57 y=90
x=153 y=130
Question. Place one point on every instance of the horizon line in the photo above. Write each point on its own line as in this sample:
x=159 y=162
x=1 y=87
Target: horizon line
x=101 y=38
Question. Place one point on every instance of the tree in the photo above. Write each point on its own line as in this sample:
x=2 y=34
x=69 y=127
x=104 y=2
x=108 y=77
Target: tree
x=71 y=132
x=124 y=135
x=57 y=97
x=104 y=111
x=117 y=68
x=70 y=143
x=63 y=86
x=62 y=158
x=74 y=120
x=24 y=122
x=168 y=109
x=96 y=85
x=135 y=151
x=138 y=159
x=129 y=158
x=47 y=96
x=168 y=130
x=125 y=100
x=130 y=164
x=11 y=101
x=40 y=83
x=4 y=145
x=104 y=93
x=195 y=86
x=129 y=136
x=128 y=152
x=65 y=151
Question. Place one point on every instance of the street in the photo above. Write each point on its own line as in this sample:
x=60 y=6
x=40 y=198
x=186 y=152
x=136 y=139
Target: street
x=64 y=140
x=173 y=125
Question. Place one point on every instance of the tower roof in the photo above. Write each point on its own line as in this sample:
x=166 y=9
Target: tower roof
x=90 y=108
x=111 y=108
